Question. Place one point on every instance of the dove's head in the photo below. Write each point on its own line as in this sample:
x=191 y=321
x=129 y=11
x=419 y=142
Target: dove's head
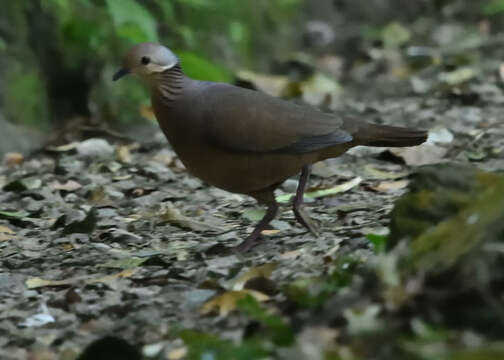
x=147 y=60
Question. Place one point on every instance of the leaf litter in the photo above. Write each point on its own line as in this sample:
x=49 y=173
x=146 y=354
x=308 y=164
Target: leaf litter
x=117 y=244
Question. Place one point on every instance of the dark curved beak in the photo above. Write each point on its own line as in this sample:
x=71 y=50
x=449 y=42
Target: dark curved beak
x=120 y=74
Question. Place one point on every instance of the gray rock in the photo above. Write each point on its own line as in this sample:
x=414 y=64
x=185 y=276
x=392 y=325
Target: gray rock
x=16 y=138
x=95 y=148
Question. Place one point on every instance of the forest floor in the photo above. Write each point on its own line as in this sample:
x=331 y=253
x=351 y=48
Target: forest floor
x=107 y=237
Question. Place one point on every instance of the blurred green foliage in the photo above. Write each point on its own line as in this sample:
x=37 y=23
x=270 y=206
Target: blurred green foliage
x=379 y=242
x=48 y=45
x=494 y=7
x=272 y=330
x=313 y=292
x=30 y=110
x=57 y=56
x=274 y=327
x=206 y=346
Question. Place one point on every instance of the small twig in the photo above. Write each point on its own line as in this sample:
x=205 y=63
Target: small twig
x=106 y=131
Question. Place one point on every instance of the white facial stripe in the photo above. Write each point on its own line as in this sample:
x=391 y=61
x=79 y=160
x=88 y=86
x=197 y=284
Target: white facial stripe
x=155 y=68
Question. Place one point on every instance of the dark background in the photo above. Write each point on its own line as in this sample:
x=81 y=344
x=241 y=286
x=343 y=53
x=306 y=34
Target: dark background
x=57 y=57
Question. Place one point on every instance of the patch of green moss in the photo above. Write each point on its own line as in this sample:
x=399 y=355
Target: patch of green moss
x=207 y=346
x=25 y=96
x=445 y=244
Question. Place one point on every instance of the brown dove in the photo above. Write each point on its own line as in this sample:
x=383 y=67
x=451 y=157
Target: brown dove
x=245 y=141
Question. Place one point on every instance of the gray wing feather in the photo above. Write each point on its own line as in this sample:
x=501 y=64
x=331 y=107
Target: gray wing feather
x=315 y=143
x=248 y=121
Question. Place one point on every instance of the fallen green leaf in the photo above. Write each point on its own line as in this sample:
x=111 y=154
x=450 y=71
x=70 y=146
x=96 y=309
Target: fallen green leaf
x=254 y=215
x=325 y=192
x=379 y=241
x=13 y=214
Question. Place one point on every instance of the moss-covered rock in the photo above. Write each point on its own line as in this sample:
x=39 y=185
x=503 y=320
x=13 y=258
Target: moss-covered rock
x=438 y=193
x=451 y=224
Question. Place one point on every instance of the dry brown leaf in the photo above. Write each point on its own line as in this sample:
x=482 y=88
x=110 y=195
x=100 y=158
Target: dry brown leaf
x=387 y=186
x=42 y=355
x=12 y=159
x=226 y=303
x=70 y=186
x=165 y=157
x=425 y=154
x=372 y=172
x=147 y=112
x=64 y=148
x=132 y=218
x=501 y=72
x=36 y=282
x=172 y=215
x=270 y=232
x=275 y=85
x=98 y=195
x=122 y=177
x=319 y=88
x=333 y=250
x=255 y=272
x=68 y=247
x=290 y=254
x=124 y=154
x=6 y=233
x=177 y=354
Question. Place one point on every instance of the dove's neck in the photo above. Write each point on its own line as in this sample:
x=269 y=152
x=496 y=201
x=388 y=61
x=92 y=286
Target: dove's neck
x=170 y=84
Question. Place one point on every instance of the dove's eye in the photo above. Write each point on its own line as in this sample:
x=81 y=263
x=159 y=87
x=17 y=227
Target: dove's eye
x=145 y=60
